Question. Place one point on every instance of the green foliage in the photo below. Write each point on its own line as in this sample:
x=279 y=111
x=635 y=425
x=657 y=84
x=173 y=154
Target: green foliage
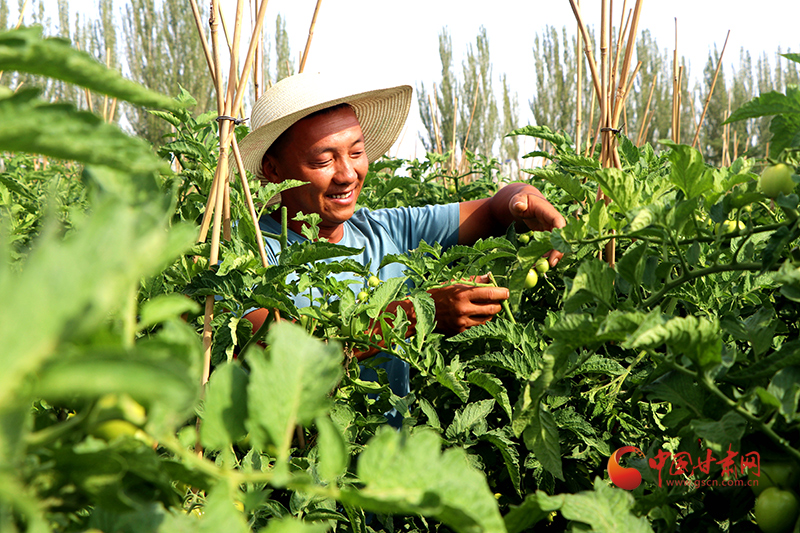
x=688 y=344
x=25 y=50
x=165 y=55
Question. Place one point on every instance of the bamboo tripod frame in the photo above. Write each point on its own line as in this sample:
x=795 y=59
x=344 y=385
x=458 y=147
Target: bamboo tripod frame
x=612 y=84
x=217 y=216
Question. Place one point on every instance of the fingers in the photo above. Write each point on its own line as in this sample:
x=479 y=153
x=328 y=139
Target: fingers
x=537 y=213
x=460 y=306
x=553 y=257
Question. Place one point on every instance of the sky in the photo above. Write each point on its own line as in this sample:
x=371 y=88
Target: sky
x=397 y=41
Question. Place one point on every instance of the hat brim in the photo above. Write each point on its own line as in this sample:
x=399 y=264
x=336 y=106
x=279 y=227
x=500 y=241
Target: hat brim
x=382 y=113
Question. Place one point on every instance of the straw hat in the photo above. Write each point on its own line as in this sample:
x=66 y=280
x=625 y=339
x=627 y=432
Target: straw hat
x=382 y=112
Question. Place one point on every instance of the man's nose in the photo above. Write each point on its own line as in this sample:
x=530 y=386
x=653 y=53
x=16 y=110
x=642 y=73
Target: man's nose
x=345 y=170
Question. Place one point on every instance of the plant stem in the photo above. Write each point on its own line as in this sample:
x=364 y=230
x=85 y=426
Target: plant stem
x=688 y=276
x=504 y=303
x=708 y=383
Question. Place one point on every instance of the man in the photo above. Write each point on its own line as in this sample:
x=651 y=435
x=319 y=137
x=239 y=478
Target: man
x=323 y=131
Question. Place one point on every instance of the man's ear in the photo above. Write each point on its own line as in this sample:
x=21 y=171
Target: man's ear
x=269 y=169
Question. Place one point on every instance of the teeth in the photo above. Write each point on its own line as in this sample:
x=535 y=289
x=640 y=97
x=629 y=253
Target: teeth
x=340 y=196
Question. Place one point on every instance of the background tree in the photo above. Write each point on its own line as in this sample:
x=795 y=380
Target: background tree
x=164 y=54
x=509 y=146
x=442 y=113
x=284 y=65
x=555 y=65
x=468 y=104
x=478 y=115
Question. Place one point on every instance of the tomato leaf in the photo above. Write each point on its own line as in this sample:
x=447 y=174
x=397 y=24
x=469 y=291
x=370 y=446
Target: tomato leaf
x=332 y=450
x=493 y=386
x=291 y=386
x=606 y=510
x=225 y=407
x=409 y=474
x=541 y=438
x=785 y=386
x=719 y=434
x=688 y=172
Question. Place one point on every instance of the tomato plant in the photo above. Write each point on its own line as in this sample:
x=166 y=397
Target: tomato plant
x=687 y=344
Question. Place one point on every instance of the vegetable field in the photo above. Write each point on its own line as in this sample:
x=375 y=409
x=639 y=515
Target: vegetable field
x=684 y=348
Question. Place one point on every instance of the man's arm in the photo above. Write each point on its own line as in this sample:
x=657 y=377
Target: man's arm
x=517 y=202
x=460 y=306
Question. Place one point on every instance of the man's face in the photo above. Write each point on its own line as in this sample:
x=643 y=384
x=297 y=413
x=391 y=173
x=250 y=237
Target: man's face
x=327 y=152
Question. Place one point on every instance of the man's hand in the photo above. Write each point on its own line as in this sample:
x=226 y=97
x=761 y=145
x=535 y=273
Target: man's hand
x=517 y=203
x=460 y=306
x=531 y=208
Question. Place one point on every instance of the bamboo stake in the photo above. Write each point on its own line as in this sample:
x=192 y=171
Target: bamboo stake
x=587 y=46
x=680 y=103
x=249 y=200
x=258 y=58
x=229 y=130
x=310 y=36
x=611 y=105
x=640 y=137
x=604 y=78
x=624 y=89
x=711 y=91
x=469 y=126
x=453 y=145
x=113 y=110
x=579 y=91
x=589 y=129
x=248 y=63
x=435 y=121
x=675 y=86
x=105 y=97
x=203 y=41
x=220 y=178
x=614 y=69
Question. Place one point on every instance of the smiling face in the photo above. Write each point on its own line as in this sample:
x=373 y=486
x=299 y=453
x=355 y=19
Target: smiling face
x=327 y=152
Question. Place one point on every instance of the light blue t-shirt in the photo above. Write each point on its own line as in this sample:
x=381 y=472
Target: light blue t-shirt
x=380 y=233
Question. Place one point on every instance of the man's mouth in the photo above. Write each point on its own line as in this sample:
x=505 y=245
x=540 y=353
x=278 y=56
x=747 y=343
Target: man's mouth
x=341 y=196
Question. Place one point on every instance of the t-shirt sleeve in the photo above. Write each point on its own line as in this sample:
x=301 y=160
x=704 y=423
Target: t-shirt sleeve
x=411 y=225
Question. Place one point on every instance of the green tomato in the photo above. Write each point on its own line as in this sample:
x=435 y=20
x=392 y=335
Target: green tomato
x=110 y=430
x=362 y=296
x=120 y=406
x=776 y=510
x=783 y=475
x=542 y=265
x=531 y=279
x=524 y=238
x=776 y=179
x=452 y=189
x=373 y=281
x=728 y=226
